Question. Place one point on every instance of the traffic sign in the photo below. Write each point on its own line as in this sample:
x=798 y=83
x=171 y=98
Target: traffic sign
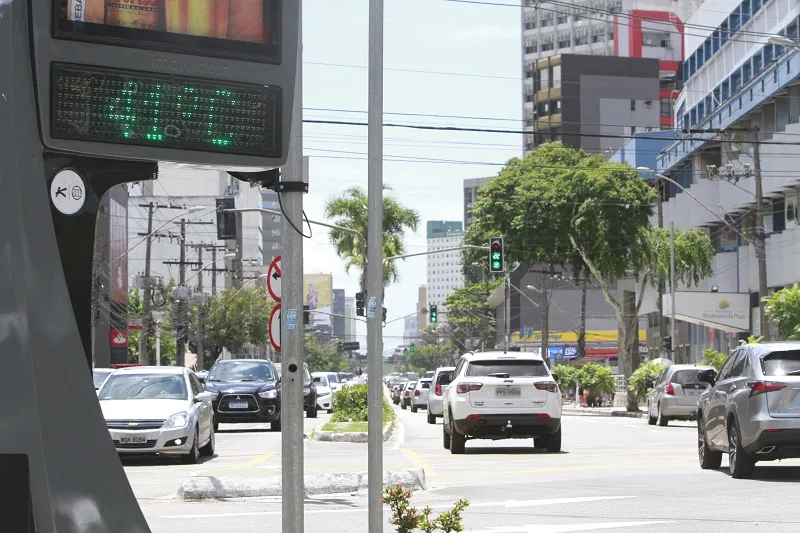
x=274 y=279
x=68 y=192
x=275 y=327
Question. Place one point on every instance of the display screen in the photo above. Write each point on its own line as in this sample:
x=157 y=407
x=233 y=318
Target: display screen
x=230 y=28
x=115 y=106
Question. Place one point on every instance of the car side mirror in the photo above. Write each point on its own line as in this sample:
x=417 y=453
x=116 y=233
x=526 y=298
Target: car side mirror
x=201 y=379
x=204 y=397
x=707 y=376
x=317 y=380
x=649 y=384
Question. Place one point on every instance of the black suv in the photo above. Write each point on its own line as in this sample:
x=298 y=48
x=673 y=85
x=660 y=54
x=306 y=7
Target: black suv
x=309 y=392
x=247 y=391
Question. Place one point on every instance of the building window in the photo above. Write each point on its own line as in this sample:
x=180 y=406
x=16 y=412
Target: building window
x=546 y=47
x=633 y=105
x=582 y=40
x=666 y=106
x=530 y=49
x=530 y=25
x=561 y=19
x=563 y=44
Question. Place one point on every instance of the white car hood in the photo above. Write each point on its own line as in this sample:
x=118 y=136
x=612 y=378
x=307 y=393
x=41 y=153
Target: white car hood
x=142 y=409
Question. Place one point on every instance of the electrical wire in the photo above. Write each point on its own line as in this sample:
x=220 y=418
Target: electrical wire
x=292 y=224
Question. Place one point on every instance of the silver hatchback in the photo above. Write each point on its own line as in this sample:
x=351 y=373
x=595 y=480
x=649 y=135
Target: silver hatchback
x=752 y=410
x=675 y=394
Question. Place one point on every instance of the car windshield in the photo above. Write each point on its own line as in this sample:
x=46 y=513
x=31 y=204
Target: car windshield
x=240 y=371
x=686 y=377
x=781 y=363
x=511 y=368
x=323 y=381
x=144 y=387
x=445 y=378
x=333 y=378
x=99 y=376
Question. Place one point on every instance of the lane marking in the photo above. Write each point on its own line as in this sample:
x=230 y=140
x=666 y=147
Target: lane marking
x=257 y=460
x=570 y=528
x=412 y=456
x=471 y=473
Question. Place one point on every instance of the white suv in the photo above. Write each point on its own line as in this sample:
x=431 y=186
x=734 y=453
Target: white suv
x=497 y=395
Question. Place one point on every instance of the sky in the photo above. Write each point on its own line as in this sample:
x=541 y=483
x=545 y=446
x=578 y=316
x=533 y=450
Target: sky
x=479 y=45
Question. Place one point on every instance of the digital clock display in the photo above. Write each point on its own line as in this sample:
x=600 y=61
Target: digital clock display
x=113 y=106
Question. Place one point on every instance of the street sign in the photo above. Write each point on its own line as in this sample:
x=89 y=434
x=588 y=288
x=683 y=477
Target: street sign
x=275 y=328
x=274 y=279
x=68 y=192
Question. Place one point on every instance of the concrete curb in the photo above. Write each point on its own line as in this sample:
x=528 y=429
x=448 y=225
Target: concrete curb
x=330 y=436
x=199 y=488
x=590 y=412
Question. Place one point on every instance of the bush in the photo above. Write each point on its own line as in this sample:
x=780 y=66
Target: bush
x=407 y=518
x=713 y=358
x=647 y=371
x=566 y=377
x=596 y=378
x=350 y=405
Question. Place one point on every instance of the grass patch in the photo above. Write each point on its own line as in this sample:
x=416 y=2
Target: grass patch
x=345 y=427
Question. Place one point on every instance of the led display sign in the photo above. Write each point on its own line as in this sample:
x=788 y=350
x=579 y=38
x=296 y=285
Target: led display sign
x=124 y=107
x=244 y=29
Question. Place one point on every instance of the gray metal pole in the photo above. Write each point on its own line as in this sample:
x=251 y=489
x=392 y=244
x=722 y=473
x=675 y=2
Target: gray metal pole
x=182 y=316
x=201 y=329
x=147 y=319
x=292 y=347
x=672 y=286
x=375 y=266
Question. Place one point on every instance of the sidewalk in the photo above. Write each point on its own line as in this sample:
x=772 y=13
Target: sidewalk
x=571 y=410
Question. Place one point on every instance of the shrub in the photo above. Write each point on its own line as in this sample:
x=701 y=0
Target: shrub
x=714 y=358
x=566 y=377
x=647 y=371
x=407 y=518
x=596 y=378
x=350 y=405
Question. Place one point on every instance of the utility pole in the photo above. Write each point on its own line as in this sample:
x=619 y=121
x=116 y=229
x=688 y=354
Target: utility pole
x=672 y=323
x=144 y=338
x=761 y=245
x=180 y=353
x=545 y=307
x=661 y=285
x=507 y=312
x=582 y=327
x=201 y=311
x=375 y=267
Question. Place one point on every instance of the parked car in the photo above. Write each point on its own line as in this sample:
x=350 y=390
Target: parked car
x=100 y=375
x=420 y=397
x=441 y=378
x=497 y=395
x=247 y=391
x=325 y=393
x=333 y=381
x=407 y=392
x=752 y=409
x=674 y=394
x=160 y=410
x=310 y=395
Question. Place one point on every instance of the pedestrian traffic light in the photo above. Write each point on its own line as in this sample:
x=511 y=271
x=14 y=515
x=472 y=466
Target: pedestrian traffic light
x=359 y=304
x=666 y=343
x=411 y=348
x=306 y=315
x=405 y=352
x=433 y=315
x=383 y=320
x=496 y=254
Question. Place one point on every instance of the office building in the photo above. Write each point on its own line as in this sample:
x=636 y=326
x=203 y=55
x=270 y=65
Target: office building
x=338 y=310
x=471 y=186
x=445 y=272
x=350 y=321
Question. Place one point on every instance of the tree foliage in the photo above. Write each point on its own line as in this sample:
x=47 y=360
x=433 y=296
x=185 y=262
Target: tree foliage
x=469 y=316
x=783 y=308
x=168 y=344
x=324 y=357
x=236 y=317
x=563 y=206
x=429 y=357
x=641 y=378
x=714 y=358
x=349 y=210
x=596 y=378
x=566 y=376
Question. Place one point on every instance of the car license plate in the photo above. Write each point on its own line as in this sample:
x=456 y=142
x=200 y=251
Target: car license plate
x=693 y=392
x=508 y=391
x=133 y=439
x=237 y=405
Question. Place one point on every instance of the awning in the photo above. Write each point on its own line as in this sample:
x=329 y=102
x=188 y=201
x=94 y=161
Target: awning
x=726 y=311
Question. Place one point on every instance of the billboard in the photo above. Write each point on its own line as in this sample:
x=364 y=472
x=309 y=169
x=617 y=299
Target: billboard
x=318 y=296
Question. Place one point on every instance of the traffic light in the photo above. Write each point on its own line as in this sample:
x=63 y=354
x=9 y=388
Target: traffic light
x=666 y=343
x=359 y=304
x=226 y=220
x=434 y=315
x=405 y=352
x=411 y=348
x=496 y=255
x=383 y=320
x=306 y=315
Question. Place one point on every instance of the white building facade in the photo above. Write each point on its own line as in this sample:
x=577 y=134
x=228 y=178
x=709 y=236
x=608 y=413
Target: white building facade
x=445 y=270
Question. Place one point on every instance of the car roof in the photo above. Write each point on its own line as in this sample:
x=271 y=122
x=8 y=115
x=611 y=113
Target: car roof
x=763 y=348
x=152 y=370
x=244 y=361
x=427 y=379
x=109 y=370
x=690 y=366
x=445 y=369
x=490 y=356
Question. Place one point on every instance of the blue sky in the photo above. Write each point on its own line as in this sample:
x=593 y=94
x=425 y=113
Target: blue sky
x=420 y=35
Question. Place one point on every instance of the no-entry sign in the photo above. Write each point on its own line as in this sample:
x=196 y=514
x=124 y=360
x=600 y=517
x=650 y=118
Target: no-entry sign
x=275 y=328
x=274 y=279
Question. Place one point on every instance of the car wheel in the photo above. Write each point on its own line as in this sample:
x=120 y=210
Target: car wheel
x=193 y=456
x=709 y=459
x=330 y=411
x=208 y=449
x=553 y=443
x=275 y=426
x=741 y=464
x=651 y=420
x=431 y=419
x=403 y=405
x=413 y=408
x=312 y=412
x=458 y=441
x=216 y=424
x=540 y=443
x=662 y=420
x=445 y=437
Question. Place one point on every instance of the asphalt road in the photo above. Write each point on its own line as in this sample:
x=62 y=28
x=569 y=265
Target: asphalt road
x=613 y=474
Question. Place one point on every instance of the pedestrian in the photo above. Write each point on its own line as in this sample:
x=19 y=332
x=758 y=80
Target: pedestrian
x=360 y=379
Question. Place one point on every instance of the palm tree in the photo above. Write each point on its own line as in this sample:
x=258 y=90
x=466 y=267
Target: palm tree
x=349 y=210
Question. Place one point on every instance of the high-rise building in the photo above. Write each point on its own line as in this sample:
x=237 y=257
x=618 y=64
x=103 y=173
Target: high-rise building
x=445 y=272
x=623 y=28
x=350 y=321
x=411 y=329
x=338 y=308
x=471 y=186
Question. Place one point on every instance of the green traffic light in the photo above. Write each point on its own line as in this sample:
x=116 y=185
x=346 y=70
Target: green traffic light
x=383 y=323
x=496 y=265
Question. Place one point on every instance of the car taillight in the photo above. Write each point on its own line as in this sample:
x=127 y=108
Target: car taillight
x=549 y=386
x=408 y=393
x=416 y=393
x=463 y=388
x=760 y=387
x=438 y=391
x=669 y=389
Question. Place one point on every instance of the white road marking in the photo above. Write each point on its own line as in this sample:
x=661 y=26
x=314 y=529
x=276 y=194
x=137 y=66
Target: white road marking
x=508 y=504
x=570 y=528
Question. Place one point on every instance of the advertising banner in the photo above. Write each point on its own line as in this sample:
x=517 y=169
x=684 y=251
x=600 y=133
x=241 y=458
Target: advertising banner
x=318 y=296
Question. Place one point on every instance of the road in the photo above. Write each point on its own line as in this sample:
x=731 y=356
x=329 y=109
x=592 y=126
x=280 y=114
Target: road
x=614 y=474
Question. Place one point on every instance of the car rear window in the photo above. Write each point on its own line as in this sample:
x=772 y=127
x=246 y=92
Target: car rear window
x=445 y=378
x=514 y=369
x=781 y=363
x=426 y=384
x=685 y=377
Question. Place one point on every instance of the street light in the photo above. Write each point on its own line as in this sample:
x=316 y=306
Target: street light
x=780 y=40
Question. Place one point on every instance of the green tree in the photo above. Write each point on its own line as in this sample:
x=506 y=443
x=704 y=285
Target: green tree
x=714 y=358
x=638 y=384
x=324 y=357
x=349 y=210
x=566 y=377
x=168 y=345
x=429 y=356
x=562 y=205
x=596 y=378
x=236 y=317
x=469 y=315
x=783 y=308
